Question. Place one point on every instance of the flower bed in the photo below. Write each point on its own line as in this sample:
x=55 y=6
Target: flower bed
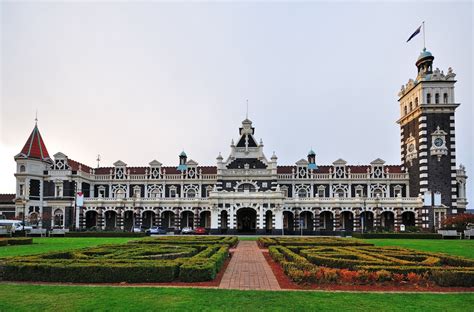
x=361 y=265
x=131 y=263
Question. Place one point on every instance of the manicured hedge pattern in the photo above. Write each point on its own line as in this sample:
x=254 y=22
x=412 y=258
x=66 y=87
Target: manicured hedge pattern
x=314 y=241
x=398 y=235
x=132 y=263
x=189 y=240
x=16 y=241
x=104 y=234
x=369 y=264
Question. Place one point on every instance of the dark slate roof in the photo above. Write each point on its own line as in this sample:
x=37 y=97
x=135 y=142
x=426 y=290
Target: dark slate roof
x=7 y=198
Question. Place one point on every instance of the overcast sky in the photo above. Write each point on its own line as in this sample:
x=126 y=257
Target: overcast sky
x=142 y=81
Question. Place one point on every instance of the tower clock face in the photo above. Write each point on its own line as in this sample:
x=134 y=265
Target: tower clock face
x=438 y=142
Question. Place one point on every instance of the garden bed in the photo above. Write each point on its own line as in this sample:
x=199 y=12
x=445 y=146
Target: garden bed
x=16 y=241
x=312 y=241
x=146 y=261
x=368 y=265
x=398 y=235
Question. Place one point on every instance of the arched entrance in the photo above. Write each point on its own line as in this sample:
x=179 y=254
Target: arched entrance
x=347 y=221
x=205 y=219
x=91 y=219
x=268 y=221
x=326 y=221
x=128 y=220
x=58 y=218
x=167 y=219
x=367 y=221
x=110 y=220
x=246 y=220
x=147 y=219
x=408 y=219
x=288 y=221
x=187 y=219
x=306 y=219
x=387 y=220
x=224 y=221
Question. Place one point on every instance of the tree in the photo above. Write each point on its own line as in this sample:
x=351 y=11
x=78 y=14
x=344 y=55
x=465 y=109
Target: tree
x=458 y=222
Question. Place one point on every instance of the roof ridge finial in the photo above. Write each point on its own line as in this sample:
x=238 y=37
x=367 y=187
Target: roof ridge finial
x=36 y=118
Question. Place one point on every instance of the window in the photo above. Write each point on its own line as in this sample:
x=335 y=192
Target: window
x=191 y=193
x=209 y=190
x=445 y=98
x=340 y=193
x=173 y=192
x=246 y=187
x=302 y=193
x=285 y=190
x=22 y=190
x=360 y=192
x=137 y=192
x=405 y=109
x=228 y=185
x=411 y=106
x=378 y=193
x=321 y=191
x=428 y=98
x=101 y=191
x=22 y=168
x=155 y=193
x=416 y=101
x=437 y=98
x=264 y=184
x=58 y=218
x=397 y=191
x=120 y=193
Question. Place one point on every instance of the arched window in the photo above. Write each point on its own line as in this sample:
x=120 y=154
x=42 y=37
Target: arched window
x=120 y=193
x=246 y=187
x=58 y=218
x=340 y=193
x=416 y=101
x=405 y=109
x=33 y=218
x=155 y=193
x=437 y=98
x=302 y=193
x=191 y=193
x=428 y=98
x=378 y=193
x=22 y=168
x=411 y=106
x=445 y=98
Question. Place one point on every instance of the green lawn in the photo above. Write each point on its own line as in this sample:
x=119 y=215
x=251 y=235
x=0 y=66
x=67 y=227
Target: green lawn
x=457 y=247
x=84 y=298
x=46 y=244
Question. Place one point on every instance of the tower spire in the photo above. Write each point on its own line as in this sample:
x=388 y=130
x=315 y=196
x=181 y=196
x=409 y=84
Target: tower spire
x=36 y=118
x=247 y=112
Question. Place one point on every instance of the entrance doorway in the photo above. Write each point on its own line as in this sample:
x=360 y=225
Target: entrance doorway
x=246 y=220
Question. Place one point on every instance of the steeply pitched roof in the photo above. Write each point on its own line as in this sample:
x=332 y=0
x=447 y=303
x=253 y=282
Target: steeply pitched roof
x=34 y=147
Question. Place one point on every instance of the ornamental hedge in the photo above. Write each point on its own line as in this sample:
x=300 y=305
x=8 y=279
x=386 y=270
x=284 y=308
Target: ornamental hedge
x=132 y=263
x=314 y=241
x=189 y=240
x=368 y=264
x=16 y=241
x=398 y=235
x=104 y=234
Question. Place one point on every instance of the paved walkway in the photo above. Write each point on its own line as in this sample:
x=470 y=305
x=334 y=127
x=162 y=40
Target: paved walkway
x=248 y=269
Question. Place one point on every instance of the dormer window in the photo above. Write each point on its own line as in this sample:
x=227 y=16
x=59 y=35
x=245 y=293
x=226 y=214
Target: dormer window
x=437 y=98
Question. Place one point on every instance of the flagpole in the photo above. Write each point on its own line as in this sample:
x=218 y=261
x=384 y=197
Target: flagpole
x=424 y=40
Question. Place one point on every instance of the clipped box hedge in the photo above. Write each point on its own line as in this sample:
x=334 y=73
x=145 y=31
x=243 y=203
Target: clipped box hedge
x=131 y=263
x=398 y=235
x=104 y=234
x=310 y=241
x=16 y=241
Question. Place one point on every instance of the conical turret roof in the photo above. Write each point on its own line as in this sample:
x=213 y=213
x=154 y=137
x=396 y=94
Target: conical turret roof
x=34 y=147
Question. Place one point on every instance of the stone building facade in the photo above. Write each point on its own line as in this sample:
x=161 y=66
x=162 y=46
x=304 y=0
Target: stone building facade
x=246 y=192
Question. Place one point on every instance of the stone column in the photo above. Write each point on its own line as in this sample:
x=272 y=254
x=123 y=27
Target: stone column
x=100 y=219
x=260 y=220
x=317 y=220
x=356 y=216
x=197 y=218
x=398 y=219
x=156 y=218
x=215 y=221
x=296 y=221
x=277 y=230
x=177 y=219
x=138 y=217
x=120 y=218
x=82 y=221
x=337 y=219
x=377 y=216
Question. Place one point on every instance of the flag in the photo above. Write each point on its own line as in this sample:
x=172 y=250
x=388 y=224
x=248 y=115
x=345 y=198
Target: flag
x=80 y=199
x=417 y=31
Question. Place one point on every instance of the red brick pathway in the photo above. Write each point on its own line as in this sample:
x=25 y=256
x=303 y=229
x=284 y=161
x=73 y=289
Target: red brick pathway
x=248 y=269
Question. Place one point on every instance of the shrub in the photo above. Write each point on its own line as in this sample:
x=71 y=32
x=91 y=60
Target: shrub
x=398 y=235
x=3 y=242
x=458 y=222
x=453 y=278
x=20 y=241
x=104 y=234
x=383 y=276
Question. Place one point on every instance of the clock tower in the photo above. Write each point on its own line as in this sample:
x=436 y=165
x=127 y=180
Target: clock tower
x=427 y=130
